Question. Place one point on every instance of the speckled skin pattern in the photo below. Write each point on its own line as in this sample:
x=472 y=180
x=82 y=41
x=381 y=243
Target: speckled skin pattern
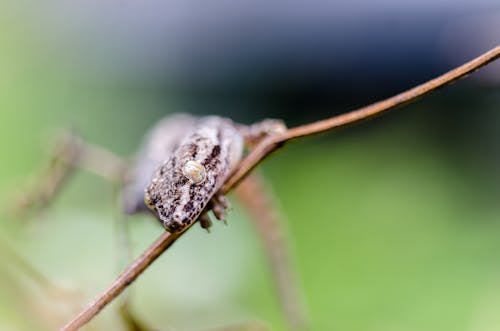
x=214 y=142
x=165 y=175
x=157 y=147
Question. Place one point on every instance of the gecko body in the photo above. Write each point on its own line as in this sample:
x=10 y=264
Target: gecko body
x=190 y=159
x=182 y=187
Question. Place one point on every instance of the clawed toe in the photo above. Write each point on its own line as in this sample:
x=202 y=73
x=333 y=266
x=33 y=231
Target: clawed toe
x=205 y=222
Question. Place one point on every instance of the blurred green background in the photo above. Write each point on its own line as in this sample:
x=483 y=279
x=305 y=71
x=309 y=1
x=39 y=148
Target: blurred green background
x=395 y=223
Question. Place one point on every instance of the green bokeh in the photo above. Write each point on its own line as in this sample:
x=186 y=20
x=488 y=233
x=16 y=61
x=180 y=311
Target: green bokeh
x=388 y=233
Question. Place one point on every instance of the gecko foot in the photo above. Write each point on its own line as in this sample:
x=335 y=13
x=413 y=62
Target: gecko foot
x=205 y=222
x=256 y=132
x=219 y=204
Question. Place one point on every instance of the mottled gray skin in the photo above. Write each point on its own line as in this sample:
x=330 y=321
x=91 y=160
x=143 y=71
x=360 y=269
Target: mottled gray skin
x=215 y=143
x=157 y=180
x=157 y=147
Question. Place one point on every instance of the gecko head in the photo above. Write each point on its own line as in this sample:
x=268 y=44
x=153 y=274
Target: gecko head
x=178 y=194
x=171 y=219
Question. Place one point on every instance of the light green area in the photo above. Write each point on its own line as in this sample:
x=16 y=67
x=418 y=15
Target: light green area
x=388 y=233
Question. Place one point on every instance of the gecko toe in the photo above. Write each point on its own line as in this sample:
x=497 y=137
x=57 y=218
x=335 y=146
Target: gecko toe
x=205 y=222
x=219 y=212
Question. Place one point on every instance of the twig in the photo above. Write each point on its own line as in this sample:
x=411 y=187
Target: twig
x=124 y=279
x=361 y=114
x=27 y=268
x=262 y=150
x=70 y=152
x=260 y=203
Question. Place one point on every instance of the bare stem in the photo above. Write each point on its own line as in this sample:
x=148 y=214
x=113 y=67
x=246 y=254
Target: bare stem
x=361 y=114
x=266 y=147
x=124 y=279
x=260 y=204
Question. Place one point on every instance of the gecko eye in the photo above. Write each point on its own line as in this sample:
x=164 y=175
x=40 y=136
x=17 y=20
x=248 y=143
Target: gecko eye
x=194 y=171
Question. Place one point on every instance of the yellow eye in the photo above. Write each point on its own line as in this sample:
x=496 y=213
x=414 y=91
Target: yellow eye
x=194 y=171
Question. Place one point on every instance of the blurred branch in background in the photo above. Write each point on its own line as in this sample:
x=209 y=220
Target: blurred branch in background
x=266 y=147
x=260 y=203
x=407 y=206
x=71 y=152
x=272 y=143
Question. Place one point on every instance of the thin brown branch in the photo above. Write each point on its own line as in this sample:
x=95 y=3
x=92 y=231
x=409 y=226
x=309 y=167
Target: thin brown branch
x=16 y=260
x=274 y=142
x=70 y=152
x=266 y=147
x=259 y=202
x=124 y=279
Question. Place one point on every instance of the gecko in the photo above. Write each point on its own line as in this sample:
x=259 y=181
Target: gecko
x=182 y=164
x=176 y=175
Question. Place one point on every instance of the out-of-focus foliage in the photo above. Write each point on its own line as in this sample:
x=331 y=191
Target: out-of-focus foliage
x=395 y=225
